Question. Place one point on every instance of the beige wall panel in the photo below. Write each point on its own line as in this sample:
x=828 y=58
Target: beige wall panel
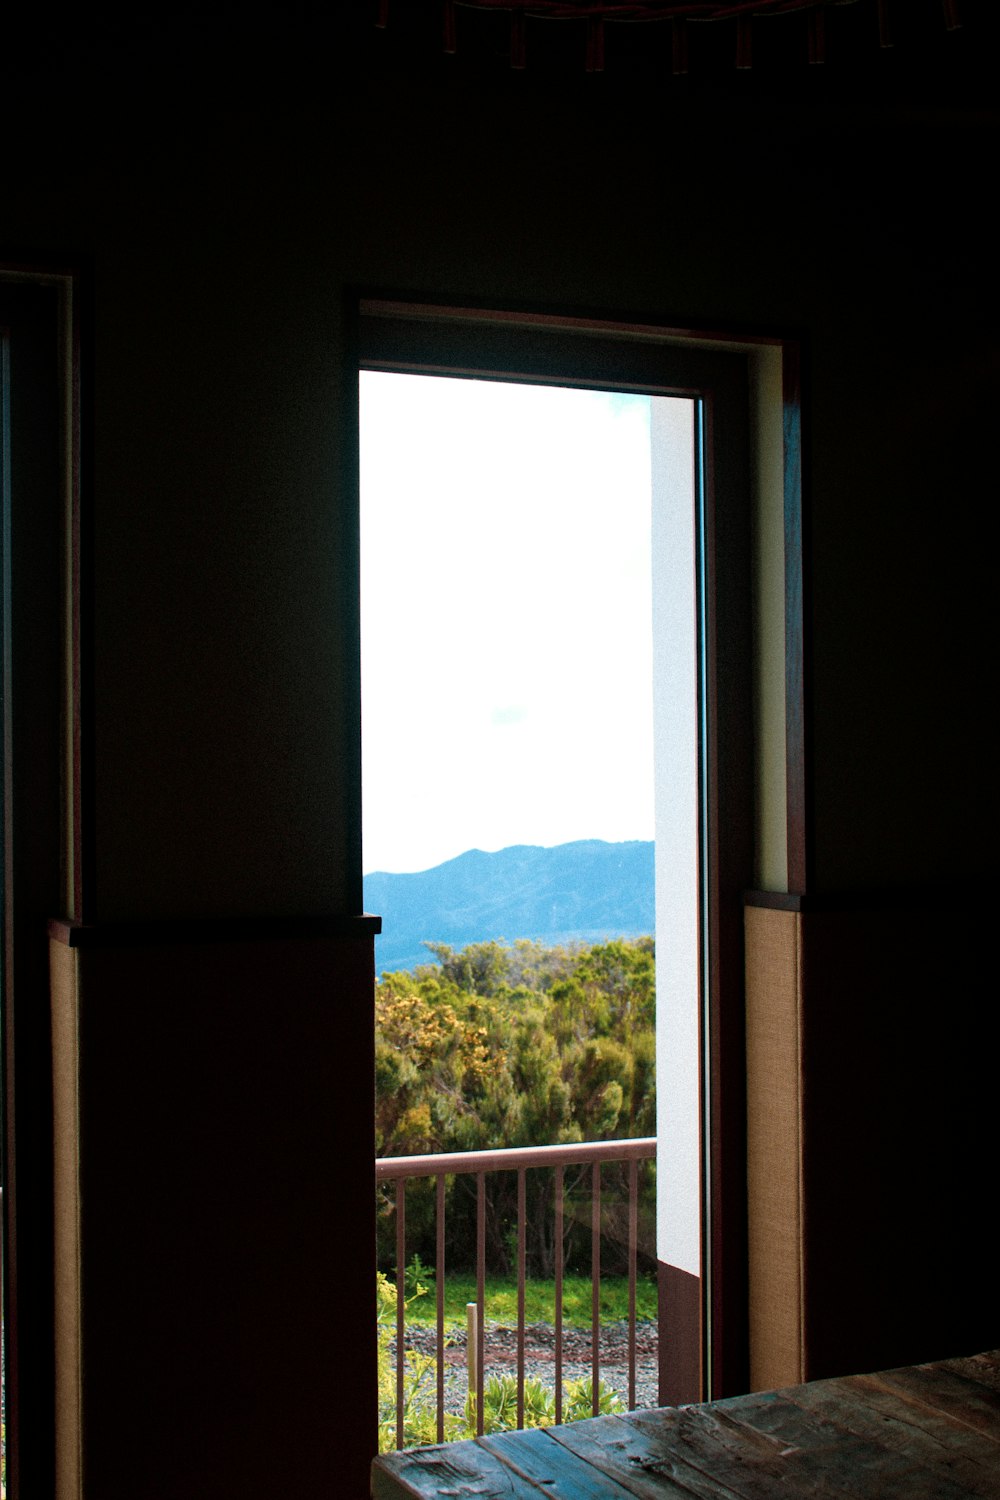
x=774 y=1128
x=767 y=437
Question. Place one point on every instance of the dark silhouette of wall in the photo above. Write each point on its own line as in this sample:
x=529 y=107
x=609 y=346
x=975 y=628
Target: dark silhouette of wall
x=228 y=186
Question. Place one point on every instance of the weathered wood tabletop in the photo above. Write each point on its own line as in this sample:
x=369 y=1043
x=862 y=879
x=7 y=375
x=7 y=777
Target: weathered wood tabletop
x=926 y=1432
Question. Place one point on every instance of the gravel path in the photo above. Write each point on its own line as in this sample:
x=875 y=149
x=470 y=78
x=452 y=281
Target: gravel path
x=539 y=1359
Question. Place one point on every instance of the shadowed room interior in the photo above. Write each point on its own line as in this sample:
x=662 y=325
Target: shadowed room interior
x=193 y=202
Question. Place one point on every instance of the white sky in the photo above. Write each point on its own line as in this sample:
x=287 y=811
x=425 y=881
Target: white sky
x=505 y=617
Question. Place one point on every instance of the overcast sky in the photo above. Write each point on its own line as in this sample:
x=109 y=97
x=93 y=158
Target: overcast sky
x=506 y=630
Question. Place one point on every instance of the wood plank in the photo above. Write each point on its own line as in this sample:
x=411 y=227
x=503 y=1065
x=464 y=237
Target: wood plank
x=751 y=1464
x=926 y=1432
x=984 y=1368
x=554 y=1468
x=832 y=1448
x=638 y=1459
x=462 y=1471
x=887 y=1418
x=968 y=1457
x=966 y=1401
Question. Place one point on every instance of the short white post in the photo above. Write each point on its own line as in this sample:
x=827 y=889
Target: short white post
x=471 y=1343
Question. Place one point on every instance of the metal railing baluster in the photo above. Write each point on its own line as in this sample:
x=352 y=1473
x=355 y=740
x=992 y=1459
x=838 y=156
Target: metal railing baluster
x=439 y=1275
x=595 y=1280
x=633 y=1245
x=559 y=1292
x=480 y=1296
x=400 y=1304
x=521 y=1268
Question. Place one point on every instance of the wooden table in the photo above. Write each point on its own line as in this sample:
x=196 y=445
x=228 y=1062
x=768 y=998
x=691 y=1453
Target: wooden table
x=924 y=1432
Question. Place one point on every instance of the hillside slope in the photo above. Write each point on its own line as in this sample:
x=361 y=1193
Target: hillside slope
x=584 y=891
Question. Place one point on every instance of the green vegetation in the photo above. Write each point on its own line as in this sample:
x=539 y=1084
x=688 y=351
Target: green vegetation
x=517 y=1045
x=511 y=1045
x=539 y=1300
x=419 y=1411
x=499 y=1391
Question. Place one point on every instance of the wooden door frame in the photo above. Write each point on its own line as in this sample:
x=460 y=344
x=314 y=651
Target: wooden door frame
x=40 y=466
x=704 y=1350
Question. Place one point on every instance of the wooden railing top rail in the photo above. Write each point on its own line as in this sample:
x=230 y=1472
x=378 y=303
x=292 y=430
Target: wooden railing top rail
x=392 y=1168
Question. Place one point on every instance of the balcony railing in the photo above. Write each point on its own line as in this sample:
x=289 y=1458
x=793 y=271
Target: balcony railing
x=401 y=1169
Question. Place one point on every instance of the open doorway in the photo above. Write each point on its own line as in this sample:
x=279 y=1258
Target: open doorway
x=700 y=1152
x=507 y=688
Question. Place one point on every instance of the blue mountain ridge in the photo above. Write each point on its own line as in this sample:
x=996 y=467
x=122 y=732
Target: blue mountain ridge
x=586 y=891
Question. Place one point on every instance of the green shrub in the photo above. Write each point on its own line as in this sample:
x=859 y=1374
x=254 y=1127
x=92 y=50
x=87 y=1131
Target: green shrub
x=419 y=1404
x=418 y=1279
x=580 y=1400
x=500 y=1403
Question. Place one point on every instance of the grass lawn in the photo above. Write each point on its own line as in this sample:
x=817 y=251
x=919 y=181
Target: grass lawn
x=539 y=1300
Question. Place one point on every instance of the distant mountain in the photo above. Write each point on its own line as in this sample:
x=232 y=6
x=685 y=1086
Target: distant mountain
x=586 y=891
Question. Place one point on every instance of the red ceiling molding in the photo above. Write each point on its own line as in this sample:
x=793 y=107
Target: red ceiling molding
x=665 y=10
x=817 y=36
x=660 y=10
x=744 y=42
x=679 y=42
x=598 y=17
x=595 y=42
x=518 y=48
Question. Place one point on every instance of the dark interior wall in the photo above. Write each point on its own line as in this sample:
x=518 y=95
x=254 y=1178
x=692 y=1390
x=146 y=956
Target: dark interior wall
x=898 y=478
x=899 y=1033
x=225 y=1226
x=228 y=194
x=225 y=217
x=224 y=570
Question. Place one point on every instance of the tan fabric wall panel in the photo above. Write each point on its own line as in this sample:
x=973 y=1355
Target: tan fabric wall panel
x=774 y=1147
x=63 y=968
